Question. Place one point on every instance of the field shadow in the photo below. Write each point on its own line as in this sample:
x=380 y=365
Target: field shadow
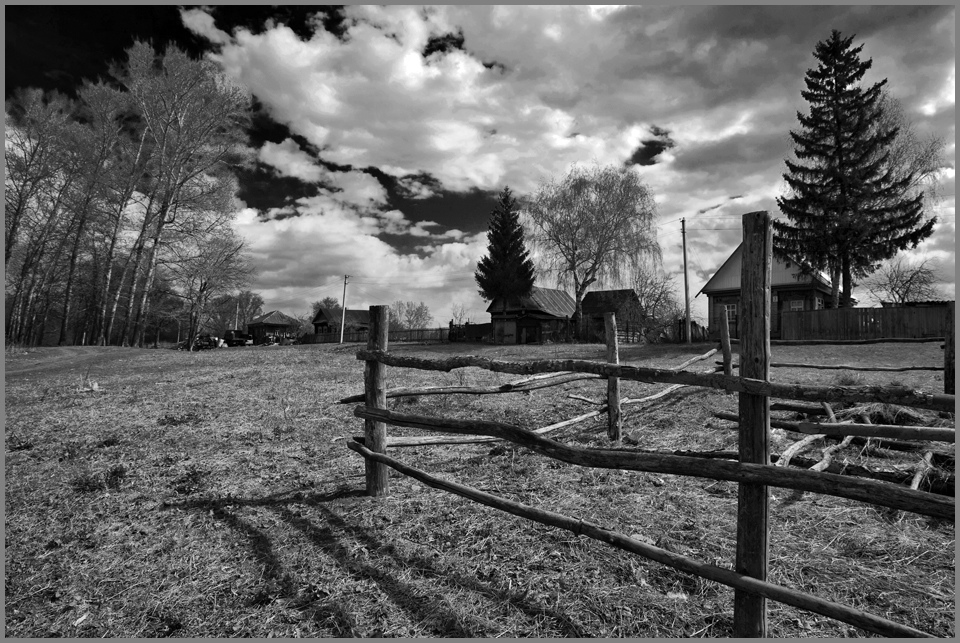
x=329 y=538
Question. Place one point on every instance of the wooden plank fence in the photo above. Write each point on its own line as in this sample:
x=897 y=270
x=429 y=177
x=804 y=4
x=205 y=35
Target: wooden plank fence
x=410 y=335
x=863 y=323
x=753 y=472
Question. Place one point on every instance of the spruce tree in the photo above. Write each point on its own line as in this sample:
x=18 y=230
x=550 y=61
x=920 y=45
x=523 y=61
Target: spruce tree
x=849 y=207
x=506 y=271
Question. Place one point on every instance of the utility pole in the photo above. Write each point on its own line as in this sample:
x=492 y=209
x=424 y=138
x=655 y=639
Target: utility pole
x=343 y=310
x=686 y=285
x=236 y=319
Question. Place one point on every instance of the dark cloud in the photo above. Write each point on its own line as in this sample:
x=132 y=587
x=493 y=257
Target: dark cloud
x=738 y=154
x=649 y=149
x=443 y=44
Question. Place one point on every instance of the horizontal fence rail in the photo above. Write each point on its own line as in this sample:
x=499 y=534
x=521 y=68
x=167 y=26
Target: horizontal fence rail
x=876 y=493
x=886 y=395
x=865 y=620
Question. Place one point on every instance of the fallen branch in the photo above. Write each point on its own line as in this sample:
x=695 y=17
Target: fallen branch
x=795 y=448
x=727 y=577
x=922 y=469
x=922 y=433
x=696 y=359
x=862 y=490
x=527 y=384
x=797 y=408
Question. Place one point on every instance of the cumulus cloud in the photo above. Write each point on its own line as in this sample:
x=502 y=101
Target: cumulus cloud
x=701 y=99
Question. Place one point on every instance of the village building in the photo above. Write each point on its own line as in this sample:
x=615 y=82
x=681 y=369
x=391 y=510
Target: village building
x=542 y=316
x=790 y=290
x=328 y=320
x=273 y=327
x=624 y=304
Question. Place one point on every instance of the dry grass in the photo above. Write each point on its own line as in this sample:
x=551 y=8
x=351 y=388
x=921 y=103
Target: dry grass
x=211 y=494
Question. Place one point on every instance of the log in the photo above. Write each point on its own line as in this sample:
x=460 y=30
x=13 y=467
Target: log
x=797 y=408
x=829 y=452
x=887 y=395
x=852 y=616
x=940 y=481
x=848 y=367
x=924 y=433
x=862 y=490
x=892 y=445
x=881 y=340
x=520 y=386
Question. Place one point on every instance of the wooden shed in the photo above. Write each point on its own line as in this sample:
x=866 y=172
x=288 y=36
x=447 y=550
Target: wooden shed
x=625 y=304
x=273 y=327
x=543 y=315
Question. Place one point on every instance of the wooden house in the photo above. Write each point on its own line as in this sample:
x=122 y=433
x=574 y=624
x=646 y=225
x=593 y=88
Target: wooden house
x=625 y=304
x=328 y=320
x=273 y=326
x=791 y=290
x=543 y=315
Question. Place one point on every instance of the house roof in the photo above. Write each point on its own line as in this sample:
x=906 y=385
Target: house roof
x=333 y=315
x=547 y=300
x=607 y=301
x=783 y=273
x=274 y=318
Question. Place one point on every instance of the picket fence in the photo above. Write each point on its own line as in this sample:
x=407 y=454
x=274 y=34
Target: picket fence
x=752 y=472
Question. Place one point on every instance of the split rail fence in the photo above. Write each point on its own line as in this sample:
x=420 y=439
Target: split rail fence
x=752 y=472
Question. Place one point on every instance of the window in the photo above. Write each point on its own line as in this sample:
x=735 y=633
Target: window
x=819 y=303
x=731 y=312
x=796 y=304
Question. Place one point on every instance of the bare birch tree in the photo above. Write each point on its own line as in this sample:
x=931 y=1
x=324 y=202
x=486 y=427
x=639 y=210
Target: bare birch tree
x=591 y=226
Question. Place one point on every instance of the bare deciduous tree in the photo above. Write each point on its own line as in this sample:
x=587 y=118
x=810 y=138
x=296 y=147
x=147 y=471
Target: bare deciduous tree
x=592 y=226
x=900 y=280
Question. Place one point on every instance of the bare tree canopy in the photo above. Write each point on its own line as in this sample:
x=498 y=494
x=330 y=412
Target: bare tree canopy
x=592 y=226
x=901 y=280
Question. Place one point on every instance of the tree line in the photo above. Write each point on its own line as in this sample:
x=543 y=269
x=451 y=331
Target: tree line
x=119 y=203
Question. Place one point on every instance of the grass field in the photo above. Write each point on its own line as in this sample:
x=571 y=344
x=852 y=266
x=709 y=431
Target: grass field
x=155 y=493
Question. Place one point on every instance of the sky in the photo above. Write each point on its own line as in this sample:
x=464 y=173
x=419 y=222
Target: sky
x=383 y=134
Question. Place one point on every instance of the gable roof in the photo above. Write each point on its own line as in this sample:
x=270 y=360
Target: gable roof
x=275 y=318
x=783 y=273
x=547 y=300
x=608 y=301
x=333 y=315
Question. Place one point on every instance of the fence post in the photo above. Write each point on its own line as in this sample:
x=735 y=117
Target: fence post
x=750 y=611
x=615 y=425
x=375 y=390
x=725 y=343
x=949 y=365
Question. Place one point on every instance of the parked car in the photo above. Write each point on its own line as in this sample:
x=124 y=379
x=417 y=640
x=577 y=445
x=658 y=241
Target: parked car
x=237 y=338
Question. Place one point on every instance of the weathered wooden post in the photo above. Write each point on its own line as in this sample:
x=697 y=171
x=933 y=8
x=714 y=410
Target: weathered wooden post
x=725 y=343
x=375 y=389
x=615 y=418
x=750 y=611
x=949 y=365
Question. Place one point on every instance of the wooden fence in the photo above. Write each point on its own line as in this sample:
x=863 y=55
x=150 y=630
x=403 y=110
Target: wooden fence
x=863 y=323
x=753 y=472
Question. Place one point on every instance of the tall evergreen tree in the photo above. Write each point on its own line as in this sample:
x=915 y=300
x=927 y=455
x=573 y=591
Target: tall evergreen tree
x=507 y=270
x=851 y=207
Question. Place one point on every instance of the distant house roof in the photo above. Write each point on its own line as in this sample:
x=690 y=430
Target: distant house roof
x=351 y=317
x=274 y=318
x=607 y=301
x=783 y=273
x=552 y=302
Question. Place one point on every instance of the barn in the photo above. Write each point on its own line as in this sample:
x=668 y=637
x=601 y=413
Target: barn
x=625 y=304
x=542 y=316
